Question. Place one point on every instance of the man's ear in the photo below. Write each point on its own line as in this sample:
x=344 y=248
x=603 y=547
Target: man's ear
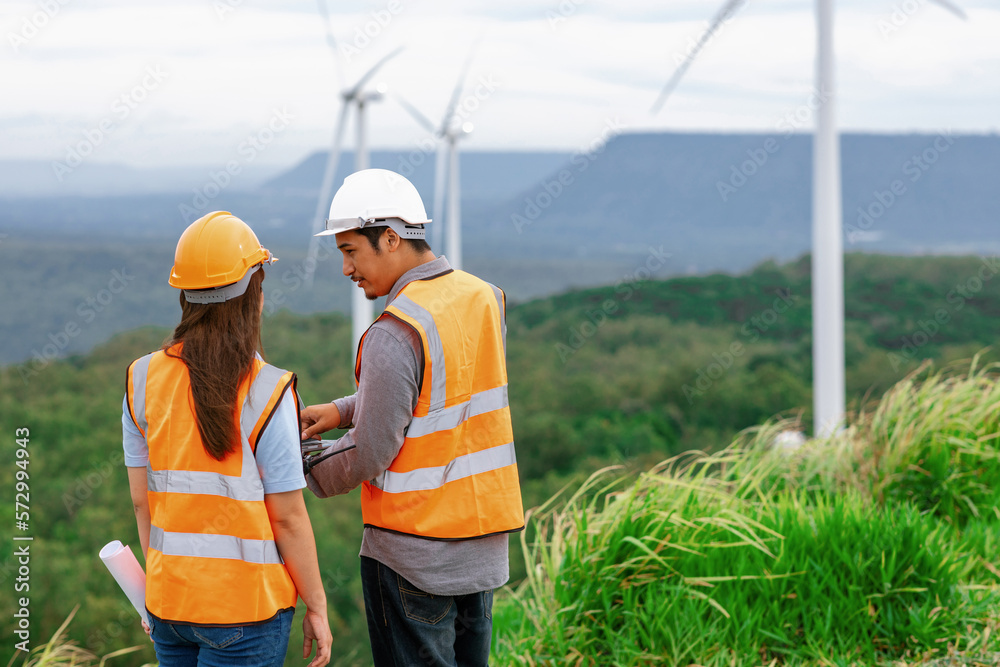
x=392 y=239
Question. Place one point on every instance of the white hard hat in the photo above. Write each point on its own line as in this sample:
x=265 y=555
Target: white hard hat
x=377 y=198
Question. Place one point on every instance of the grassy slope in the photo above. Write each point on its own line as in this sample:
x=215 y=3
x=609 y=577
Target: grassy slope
x=617 y=396
x=877 y=545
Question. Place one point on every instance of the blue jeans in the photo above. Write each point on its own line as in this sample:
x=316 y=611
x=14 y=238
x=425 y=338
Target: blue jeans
x=255 y=645
x=410 y=627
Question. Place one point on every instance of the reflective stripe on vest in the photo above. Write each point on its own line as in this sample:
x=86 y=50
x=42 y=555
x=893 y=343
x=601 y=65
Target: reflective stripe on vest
x=425 y=479
x=448 y=418
x=433 y=342
x=212 y=558
x=455 y=477
x=207 y=545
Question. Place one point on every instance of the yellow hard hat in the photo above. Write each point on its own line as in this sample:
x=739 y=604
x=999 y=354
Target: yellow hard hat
x=216 y=251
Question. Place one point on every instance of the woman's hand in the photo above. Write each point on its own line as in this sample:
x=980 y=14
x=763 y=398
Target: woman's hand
x=316 y=628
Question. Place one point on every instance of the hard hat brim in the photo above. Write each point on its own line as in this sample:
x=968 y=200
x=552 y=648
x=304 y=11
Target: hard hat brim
x=404 y=228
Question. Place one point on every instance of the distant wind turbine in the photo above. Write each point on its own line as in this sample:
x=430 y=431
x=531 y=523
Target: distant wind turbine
x=828 y=250
x=446 y=168
x=362 y=312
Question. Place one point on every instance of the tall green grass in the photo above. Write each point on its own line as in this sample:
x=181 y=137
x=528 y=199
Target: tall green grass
x=876 y=544
x=60 y=651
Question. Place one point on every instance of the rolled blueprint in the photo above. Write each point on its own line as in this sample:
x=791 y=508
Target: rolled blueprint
x=126 y=570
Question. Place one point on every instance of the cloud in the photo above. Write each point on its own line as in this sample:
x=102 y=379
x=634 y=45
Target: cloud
x=559 y=79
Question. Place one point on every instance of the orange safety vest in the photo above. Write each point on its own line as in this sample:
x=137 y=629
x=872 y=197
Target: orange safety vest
x=455 y=476
x=212 y=559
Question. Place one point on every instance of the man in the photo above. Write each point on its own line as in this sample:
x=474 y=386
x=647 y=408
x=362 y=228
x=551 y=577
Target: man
x=430 y=437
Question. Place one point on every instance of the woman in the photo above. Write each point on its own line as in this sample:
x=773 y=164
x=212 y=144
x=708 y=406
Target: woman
x=212 y=450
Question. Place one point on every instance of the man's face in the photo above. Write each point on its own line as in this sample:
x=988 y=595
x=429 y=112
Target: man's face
x=367 y=268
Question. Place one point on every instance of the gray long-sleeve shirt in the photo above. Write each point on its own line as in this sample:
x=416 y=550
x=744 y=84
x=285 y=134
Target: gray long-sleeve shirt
x=380 y=412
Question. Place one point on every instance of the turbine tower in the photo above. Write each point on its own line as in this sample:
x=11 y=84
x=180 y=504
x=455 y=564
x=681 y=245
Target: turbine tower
x=446 y=167
x=362 y=312
x=827 y=235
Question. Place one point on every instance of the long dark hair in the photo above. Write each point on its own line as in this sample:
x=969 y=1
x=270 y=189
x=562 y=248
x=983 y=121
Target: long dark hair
x=220 y=340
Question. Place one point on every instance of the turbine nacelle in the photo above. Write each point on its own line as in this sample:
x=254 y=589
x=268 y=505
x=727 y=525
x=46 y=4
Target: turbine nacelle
x=446 y=172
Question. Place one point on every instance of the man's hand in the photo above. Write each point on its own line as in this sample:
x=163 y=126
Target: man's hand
x=316 y=628
x=319 y=419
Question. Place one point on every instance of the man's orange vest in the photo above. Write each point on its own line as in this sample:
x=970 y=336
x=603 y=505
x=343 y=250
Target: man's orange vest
x=455 y=476
x=212 y=559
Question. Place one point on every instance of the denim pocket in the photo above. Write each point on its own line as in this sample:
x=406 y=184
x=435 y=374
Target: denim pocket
x=421 y=606
x=218 y=637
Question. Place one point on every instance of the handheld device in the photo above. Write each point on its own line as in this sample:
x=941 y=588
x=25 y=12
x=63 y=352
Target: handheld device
x=315 y=450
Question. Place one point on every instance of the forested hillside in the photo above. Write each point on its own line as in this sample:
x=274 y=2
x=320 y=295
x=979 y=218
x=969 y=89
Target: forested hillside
x=631 y=373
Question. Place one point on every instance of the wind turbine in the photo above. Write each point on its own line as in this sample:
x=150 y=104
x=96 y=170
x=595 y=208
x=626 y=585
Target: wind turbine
x=828 y=250
x=362 y=312
x=448 y=133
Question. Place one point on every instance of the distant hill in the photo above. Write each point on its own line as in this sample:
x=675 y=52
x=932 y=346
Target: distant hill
x=538 y=223
x=715 y=201
x=36 y=178
x=485 y=175
x=726 y=202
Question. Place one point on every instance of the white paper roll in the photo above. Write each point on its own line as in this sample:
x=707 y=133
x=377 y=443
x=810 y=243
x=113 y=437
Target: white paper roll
x=126 y=570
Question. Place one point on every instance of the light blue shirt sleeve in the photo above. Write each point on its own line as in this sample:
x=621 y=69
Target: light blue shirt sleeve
x=279 y=456
x=133 y=441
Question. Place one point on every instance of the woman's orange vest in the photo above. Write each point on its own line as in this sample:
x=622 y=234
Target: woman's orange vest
x=212 y=559
x=455 y=476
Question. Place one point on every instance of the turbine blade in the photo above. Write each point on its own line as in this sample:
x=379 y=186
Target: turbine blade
x=421 y=119
x=331 y=41
x=953 y=8
x=459 y=85
x=370 y=73
x=725 y=13
x=325 y=194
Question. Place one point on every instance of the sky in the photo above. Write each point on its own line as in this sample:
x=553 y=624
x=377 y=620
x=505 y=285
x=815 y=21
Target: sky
x=196 y=82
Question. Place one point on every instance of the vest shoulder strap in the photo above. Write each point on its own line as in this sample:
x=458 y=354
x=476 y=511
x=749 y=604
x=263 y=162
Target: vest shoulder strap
x=135 y=391
x=262 y=399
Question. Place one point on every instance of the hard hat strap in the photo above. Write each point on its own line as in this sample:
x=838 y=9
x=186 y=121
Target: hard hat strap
x=404 y=230
x=224 y=293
